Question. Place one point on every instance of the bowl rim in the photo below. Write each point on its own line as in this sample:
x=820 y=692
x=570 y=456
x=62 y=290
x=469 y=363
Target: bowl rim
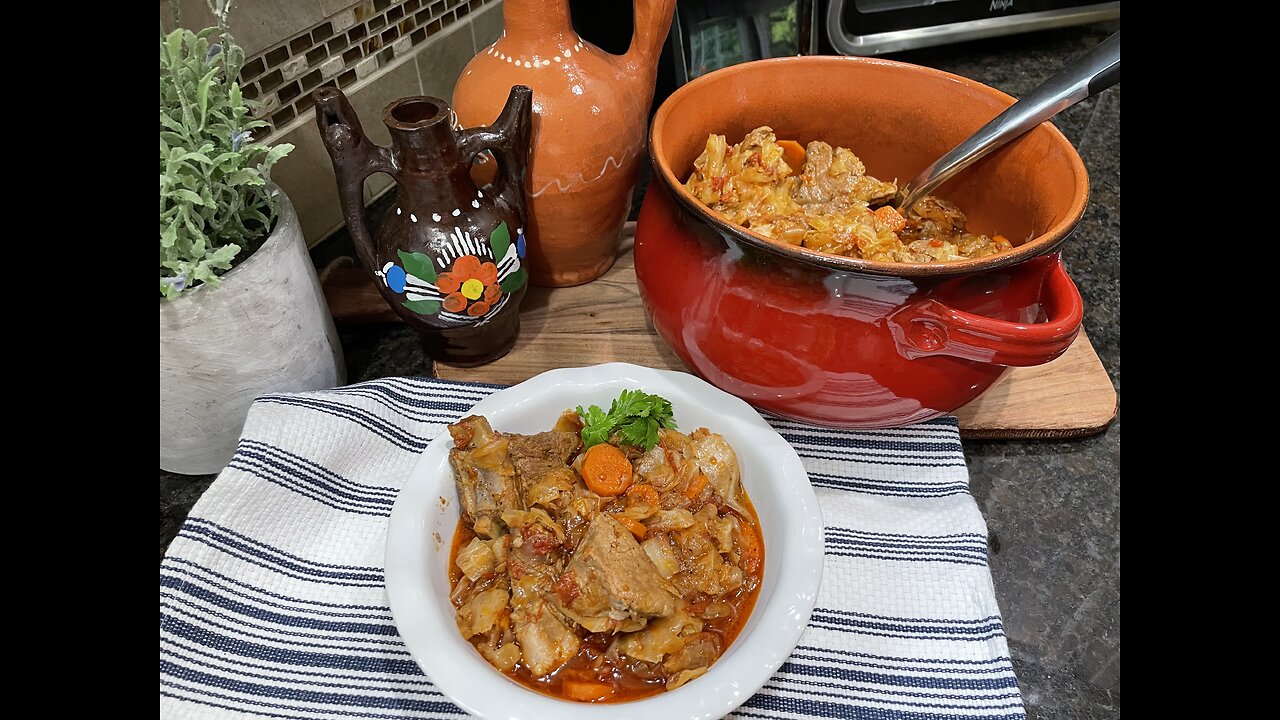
x=1042 y=244
x=776 y=622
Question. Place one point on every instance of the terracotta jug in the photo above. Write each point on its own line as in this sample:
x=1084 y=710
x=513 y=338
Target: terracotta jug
x=449 y=257
x=590 y=115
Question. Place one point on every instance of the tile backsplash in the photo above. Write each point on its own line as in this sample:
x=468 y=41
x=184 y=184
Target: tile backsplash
x=376 y=51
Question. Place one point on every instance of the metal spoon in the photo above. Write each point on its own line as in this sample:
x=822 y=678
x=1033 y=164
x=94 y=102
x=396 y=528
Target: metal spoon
x=1088 y=75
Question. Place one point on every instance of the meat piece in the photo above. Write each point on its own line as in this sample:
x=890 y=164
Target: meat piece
x=483 y=474
x=931 y=219
x=835 y=179
x=946 y=215
x=619 y=588
x=545 y=641
x=536 y=455
x=935 y=233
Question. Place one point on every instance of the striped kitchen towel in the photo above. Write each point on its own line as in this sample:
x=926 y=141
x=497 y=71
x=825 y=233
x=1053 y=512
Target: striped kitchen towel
x=272 y=602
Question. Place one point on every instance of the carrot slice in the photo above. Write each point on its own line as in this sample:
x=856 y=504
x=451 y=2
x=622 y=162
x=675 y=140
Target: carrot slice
x=644 y=493
x=696 y=485
x=586 y=690
x=890 y=218
x=636 y=527
x=793 y=154
x=750 y=548
x=606 y=471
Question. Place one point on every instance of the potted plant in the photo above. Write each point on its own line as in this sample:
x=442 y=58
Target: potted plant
x=241 y=310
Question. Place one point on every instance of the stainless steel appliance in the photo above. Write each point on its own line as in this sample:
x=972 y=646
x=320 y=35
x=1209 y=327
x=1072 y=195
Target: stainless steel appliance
x=710 y=34
x=872 y=27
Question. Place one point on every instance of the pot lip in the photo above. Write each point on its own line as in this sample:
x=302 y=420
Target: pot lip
x=286 y=218
x=1042 y=244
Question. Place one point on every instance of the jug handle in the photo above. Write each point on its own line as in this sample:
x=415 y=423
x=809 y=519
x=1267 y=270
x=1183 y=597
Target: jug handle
x=508 y=139
x=355 y=157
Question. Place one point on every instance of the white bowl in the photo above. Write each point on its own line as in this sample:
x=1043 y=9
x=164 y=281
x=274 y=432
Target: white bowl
x=426 y=514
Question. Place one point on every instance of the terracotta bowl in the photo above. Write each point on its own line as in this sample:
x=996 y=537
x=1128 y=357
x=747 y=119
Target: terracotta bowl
x=841 y=341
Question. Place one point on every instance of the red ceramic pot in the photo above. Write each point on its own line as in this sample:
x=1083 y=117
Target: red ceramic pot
x=841 y=341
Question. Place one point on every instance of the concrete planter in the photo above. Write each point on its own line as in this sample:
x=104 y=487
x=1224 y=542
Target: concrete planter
x=266 y=329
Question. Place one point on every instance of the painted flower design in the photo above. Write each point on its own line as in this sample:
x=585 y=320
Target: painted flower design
x=471 y=286
x=465 y=280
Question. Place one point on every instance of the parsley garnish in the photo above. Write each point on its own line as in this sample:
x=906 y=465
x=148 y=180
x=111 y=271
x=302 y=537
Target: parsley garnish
x=635 y=417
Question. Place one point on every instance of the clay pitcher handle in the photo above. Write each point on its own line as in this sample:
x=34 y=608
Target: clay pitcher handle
x=508 y=139
x=355 y=157
x=652 y=21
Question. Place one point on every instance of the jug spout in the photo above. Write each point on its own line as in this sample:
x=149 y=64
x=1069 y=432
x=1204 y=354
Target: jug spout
x=652 y=21
x=355 y=158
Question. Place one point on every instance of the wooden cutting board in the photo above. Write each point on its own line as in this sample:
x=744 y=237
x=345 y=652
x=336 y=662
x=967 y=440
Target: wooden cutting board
x=605 y=321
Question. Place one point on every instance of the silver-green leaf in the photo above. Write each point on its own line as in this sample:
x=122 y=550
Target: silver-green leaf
x=214 y=194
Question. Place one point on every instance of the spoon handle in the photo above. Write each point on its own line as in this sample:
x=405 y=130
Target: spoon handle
x=1088 y=75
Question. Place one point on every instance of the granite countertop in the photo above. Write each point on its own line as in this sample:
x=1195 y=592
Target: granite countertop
x=1053 y=508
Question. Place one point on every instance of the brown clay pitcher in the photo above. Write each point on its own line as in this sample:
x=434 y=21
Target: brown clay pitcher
x=590 y=115
x=449 y=257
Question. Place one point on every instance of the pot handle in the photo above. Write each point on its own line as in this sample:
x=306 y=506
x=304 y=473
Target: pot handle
x=929 y=327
